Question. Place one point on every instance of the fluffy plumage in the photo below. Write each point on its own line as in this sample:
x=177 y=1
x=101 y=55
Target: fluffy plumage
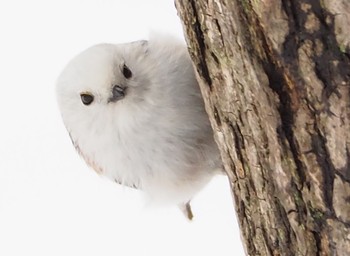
x=146 y=126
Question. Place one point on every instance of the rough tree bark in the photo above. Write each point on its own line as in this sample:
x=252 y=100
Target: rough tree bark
x=275 y=79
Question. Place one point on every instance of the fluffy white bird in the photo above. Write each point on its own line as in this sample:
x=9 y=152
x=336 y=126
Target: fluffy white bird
x=135 y=114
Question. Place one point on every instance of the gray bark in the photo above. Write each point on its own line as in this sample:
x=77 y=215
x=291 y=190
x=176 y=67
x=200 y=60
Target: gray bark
x=275 y=80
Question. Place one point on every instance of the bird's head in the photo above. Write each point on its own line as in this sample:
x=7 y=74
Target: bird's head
x=103 y=81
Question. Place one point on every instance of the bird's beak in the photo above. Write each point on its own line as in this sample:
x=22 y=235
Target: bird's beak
x=118 y=93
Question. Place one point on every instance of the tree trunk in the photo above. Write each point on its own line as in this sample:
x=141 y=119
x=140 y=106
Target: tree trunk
x=275 y=79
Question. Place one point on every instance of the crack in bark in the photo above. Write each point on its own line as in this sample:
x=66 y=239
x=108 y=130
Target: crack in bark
x=220 y=32
x=286 y=240
x=328 y=170
x=250 y=245
x=317 y=242
x=217 y=116
x=203 y=68
x=239 y=141
x=299 y=202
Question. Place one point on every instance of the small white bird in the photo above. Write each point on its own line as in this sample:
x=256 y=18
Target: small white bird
x=135 y=113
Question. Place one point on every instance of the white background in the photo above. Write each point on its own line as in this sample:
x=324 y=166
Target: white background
x=51 y=203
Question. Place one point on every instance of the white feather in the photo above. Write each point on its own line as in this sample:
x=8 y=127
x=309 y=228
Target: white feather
x=158 y=138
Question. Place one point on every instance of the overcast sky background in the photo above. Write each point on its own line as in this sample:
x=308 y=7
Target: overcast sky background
x=51 y=203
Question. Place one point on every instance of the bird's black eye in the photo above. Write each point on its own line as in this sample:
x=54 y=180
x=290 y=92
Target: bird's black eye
x=126 y=72
x=86 y=98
